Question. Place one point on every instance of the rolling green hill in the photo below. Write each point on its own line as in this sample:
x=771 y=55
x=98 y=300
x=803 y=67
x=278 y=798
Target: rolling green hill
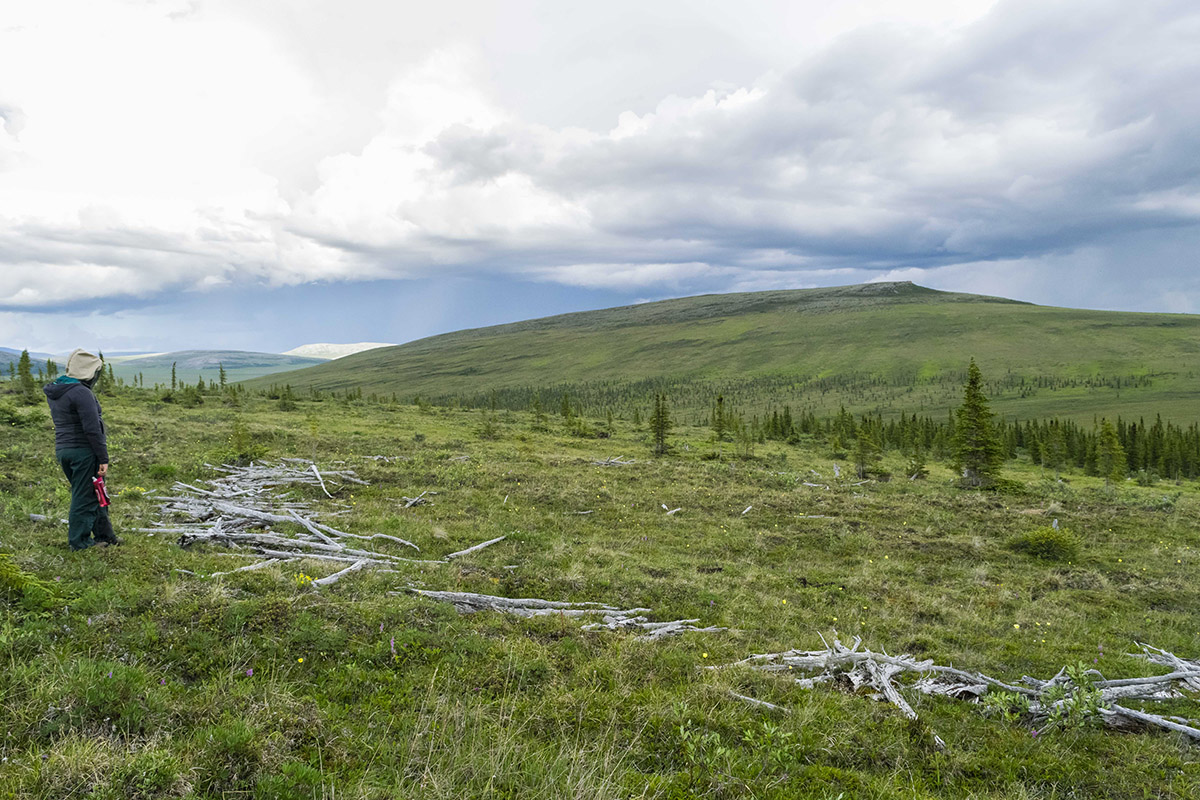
x=886 y=347
x=193 y=364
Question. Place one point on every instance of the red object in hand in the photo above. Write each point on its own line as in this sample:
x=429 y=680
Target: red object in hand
x=101 y=491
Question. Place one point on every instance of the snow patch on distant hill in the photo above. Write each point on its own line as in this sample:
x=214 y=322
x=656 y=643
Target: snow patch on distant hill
x=332 y=351
x=120 y=359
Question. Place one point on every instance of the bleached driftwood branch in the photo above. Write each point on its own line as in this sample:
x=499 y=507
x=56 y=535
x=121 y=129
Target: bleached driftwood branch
x=759 y=703
x=857 y=668
x=654 y=630
x=242 y=509
x=320 y=480
x=479 y=546
x=335 y=577
x=419 y=500
x=242 y=512
x=247 y=568
x=612 y=618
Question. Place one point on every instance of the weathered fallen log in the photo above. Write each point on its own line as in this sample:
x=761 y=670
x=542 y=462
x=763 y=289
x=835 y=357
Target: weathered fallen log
x=654 y=630
x=370 y=536
x=469 y=603
x=1045 y=701
x=242 y=511
x=612 y=618
x=292 y=556
x=270 y=539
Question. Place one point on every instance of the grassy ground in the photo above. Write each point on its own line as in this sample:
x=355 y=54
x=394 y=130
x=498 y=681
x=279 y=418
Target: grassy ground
x=139 y=681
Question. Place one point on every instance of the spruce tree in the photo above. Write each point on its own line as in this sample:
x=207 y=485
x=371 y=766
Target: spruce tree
x=720 y=420
x=1110 y=455
x=1054 y=452
x=978 y=451
x=25 y=380
x=867 y=451
x=539 y=416
x=660 y=424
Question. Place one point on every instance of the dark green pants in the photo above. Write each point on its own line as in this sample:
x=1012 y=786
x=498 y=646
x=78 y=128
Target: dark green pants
x=87 y=518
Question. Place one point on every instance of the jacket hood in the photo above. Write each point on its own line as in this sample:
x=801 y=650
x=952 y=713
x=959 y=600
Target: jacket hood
x=54 y=391
x=83 y=365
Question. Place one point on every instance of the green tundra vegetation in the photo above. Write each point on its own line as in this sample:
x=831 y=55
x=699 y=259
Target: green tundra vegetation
x=885 y=349
x=128 y=673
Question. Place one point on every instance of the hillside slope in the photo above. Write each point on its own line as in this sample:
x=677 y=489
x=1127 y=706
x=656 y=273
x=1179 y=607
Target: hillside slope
x=887 y=347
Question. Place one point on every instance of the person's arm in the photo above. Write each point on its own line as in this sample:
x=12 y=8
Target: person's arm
x=89 y=418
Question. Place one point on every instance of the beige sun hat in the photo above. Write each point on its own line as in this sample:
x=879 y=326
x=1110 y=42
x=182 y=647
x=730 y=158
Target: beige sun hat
x=82 y=365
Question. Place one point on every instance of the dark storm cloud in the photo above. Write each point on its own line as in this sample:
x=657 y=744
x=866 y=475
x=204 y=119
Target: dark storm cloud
x=1038 y=130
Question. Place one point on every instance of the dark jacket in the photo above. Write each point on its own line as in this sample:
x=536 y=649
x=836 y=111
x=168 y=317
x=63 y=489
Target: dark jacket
x=76 y=414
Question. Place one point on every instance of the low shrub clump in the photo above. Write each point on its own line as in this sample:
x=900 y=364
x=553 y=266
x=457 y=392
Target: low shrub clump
x=1048 y=543
x=17 y=584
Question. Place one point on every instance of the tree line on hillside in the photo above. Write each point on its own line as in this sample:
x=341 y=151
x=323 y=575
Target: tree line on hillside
x=909 y=391
x=1147 y=450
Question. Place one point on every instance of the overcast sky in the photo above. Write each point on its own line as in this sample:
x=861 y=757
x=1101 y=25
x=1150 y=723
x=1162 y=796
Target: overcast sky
x=259 y=174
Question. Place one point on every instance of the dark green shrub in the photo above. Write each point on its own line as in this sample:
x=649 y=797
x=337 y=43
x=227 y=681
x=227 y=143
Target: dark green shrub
x=14 y=417
x=1048 y=543
x=162 y=472
x=102 y=695
x=229 y=760
x=295 y=781
x=150 y=774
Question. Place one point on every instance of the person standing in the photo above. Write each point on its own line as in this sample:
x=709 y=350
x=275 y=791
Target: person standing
x=81 y=447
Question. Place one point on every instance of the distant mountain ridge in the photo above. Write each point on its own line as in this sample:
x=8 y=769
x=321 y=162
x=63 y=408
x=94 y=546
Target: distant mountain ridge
x=191 y=365
x=880 y=347
x=12 y=354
